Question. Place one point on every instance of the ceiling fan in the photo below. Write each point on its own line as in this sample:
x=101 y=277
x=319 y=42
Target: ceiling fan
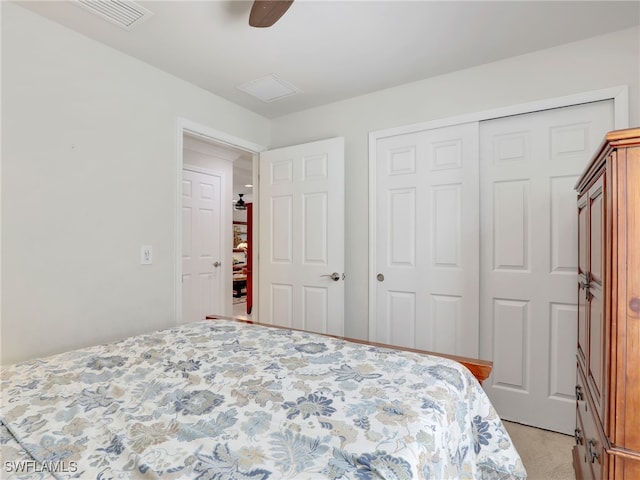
x=265 y=13
x=240 y=203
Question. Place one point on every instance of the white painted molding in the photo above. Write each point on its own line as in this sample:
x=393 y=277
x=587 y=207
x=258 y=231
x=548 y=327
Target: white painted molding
x=206 y=171
x=206 y=133
x=619 y=95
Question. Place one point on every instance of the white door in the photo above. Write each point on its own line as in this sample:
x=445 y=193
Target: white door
x=302 y=236
x=529 y=165
x=426 y=240
x=203 y=274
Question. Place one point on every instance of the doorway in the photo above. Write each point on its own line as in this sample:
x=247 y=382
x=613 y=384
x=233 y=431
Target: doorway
x=216 y=158
x=242 y=262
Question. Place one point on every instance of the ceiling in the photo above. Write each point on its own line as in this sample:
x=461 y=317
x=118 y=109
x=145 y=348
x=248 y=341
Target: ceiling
x=333 y=50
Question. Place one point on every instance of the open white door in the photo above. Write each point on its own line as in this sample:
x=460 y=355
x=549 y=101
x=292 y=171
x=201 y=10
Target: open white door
x=301 y=247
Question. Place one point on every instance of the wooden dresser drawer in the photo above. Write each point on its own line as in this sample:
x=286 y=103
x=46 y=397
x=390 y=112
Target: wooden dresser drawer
x=591 y=445
x=581 y=465
x=592 y=450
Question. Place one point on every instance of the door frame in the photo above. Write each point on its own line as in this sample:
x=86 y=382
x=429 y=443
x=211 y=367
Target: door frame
x=619 y=95
x=209 y=135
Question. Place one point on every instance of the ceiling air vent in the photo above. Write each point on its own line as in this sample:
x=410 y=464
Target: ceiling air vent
x=123 y=13
x=269 y=88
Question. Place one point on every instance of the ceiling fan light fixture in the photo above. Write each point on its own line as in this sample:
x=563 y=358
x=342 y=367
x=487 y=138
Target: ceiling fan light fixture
x=240 y=203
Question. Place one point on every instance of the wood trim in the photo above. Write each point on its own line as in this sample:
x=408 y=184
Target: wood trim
x=611 y=294
x=481 y=369
x=576 y=464
x=628 y=291
x=622 y=453
x=612 y=140
x=250 y=247
x=621 y=138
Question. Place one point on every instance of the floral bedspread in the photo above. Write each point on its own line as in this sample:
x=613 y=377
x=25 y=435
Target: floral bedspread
x=226 y=400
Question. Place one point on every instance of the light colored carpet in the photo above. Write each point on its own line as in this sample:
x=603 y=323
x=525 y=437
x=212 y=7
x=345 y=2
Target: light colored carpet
x=240 y=309
x=238 y=300
x=546 y=455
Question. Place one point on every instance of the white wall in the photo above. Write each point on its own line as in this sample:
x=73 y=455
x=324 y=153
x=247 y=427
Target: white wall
x=89 y=175
x=239 y=215
x=593 y=64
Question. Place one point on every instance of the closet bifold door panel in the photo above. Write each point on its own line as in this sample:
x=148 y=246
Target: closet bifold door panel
x=529 y=165
x=426 y=240
x=607 y=431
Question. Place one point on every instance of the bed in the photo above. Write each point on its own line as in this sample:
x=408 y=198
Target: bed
x=230 y=400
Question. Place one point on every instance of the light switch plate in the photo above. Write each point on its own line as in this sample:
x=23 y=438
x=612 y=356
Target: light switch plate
x=146 y=255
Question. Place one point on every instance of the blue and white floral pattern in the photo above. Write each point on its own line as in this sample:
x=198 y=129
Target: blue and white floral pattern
x=225 y=400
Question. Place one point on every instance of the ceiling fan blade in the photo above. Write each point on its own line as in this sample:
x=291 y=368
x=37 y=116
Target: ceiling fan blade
x=265 y=13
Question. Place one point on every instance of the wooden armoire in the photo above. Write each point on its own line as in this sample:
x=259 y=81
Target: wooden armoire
x=607 y=430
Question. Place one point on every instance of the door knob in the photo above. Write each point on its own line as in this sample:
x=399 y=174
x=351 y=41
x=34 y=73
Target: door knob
x=335 y=276
x=216 y=264
x=380 y=277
